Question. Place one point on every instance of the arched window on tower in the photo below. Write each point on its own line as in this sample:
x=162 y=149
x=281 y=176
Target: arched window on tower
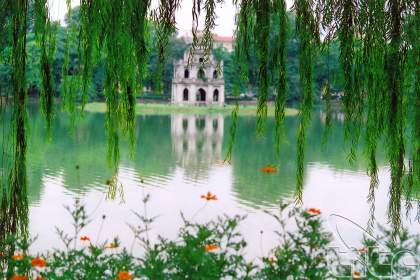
x=201 y=74
x=186 y=73
x=215 y=74
x=216 y=95
x=185 y=95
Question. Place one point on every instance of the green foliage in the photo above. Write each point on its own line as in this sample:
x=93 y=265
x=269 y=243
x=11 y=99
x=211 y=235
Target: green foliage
x=66 y=63
x=304 y=254
x=214 y=250
x=193 y=256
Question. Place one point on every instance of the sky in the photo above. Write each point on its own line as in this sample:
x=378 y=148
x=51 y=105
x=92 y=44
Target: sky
x=225 y=23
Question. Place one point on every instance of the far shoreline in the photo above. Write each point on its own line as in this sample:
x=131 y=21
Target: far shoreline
x=169 y=108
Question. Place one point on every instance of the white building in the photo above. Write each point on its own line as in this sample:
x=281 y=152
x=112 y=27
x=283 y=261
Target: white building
x=198 y=83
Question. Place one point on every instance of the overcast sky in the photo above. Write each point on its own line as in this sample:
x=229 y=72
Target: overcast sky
x=225 y=15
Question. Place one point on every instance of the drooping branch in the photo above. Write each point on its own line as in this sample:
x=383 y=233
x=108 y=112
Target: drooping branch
x=18 y=201
x=245 y=20
x=90 y=29
x=281 y=87
x=68 y=76
x=262 y=8
x=395 y=114
x=45 y=34
x=308 y=33
x=137 y=13
x=372 y=21
x=164 y=17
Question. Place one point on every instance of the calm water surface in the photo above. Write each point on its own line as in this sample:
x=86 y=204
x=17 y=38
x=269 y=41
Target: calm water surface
x=180 y=157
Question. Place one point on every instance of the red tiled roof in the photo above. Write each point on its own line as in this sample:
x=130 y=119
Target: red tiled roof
x=223 y=39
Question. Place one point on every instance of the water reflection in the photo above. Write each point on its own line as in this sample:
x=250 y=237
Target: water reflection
x=197 y=140
x=194 y=144
x=178 y=158
x=335 y=115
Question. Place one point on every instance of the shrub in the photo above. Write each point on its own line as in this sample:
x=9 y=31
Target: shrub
x=214 y=250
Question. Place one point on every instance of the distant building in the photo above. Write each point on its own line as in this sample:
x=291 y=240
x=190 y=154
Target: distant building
x=198 y=83
x=227 y=42
x=223 y=41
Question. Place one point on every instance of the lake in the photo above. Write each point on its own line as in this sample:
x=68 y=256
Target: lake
x=177 y=159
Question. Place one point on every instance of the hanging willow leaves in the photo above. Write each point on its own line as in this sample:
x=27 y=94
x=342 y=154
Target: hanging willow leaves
x=17 y=204
x=203 y=40
x=137 y=12
x=326 y=93
x=412 y=29
x=164 y=17
x=395 y=114
x=114 y=82
x=262 y=9
x=307 y=30
x=244 y=28
x=4 y=12
x=45 y=34
x=340 y=20
x=69 y=79
x=372 y=23
x=209 y=25
x=281 y=87
x=90 y=28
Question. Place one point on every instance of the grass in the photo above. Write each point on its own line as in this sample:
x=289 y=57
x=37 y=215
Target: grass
x=167 y=109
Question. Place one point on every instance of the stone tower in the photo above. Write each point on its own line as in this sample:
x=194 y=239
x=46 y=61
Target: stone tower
x=198 y=83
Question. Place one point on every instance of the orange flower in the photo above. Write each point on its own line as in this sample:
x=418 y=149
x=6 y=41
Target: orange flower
x=84 y=238
x=19 y=277
x=313 y=211
x=363 y=250
x=112 y=245
x=17 y=257
x=39 y=262
x=209 y=196
x=124 y=275
x=269 y=169
x=356 y=275
x=39 y=278
x=211 y=247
